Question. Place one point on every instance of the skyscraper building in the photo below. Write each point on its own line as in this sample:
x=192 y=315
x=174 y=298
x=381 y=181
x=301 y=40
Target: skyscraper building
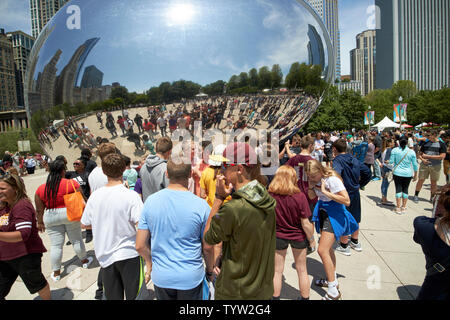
x=363 y=57
x=328 y=11
x=8 y=96
x=92 y=78
x=415 y=37
x=41 y=13
x=22 y=44
x=316 y=53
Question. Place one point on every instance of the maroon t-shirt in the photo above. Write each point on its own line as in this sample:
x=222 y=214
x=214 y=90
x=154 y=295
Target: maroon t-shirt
x=290 y=210
x=22 y=217
x=298 y=163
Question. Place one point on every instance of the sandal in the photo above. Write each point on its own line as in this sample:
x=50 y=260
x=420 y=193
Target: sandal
x=328 y=297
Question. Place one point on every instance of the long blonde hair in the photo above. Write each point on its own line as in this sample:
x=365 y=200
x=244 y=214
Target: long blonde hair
x=314 y=166
x=284 y=182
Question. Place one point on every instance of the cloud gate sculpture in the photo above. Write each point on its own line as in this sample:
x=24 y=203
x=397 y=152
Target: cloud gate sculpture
x=236 y=50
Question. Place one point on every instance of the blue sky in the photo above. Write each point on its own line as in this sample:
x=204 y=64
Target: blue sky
x=353 y=17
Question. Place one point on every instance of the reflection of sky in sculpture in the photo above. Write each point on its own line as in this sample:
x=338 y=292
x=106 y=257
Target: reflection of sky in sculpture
x=141 y=47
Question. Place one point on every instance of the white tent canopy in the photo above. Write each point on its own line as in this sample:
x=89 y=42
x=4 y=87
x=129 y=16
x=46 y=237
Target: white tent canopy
x=201 y=95
x=386 y=123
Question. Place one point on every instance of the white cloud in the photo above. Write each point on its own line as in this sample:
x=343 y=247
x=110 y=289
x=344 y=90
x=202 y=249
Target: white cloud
x=352 y=21
x=15 y=15
x=290 y=46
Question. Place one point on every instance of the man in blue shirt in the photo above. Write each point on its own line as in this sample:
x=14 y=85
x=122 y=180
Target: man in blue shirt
x=175 y=219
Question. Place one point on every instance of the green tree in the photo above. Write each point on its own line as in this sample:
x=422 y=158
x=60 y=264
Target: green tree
x=276 y=76
x=253 y=77
x=403 y=88
x=233 y=83
x=243 y=80
x=119 y=92
x=265 y=78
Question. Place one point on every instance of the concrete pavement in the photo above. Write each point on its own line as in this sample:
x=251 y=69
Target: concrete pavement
x=391 y=265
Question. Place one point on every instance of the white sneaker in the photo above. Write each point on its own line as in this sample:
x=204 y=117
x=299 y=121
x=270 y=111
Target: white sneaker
x=55 y=278
x=86 y=265
x=356 y=246
x=344 y=251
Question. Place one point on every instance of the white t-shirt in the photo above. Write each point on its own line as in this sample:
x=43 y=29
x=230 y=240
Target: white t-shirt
x=113 y=213
x=319 y=144
x=97 y=179
x=333 y=184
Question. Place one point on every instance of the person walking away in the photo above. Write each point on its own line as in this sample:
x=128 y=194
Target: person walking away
x=370 y=157
x=153 y=173
x=331 y=218
x=349 y=168
x=113 y=212
x=21 y=248
x=431 y=154
x=246 y=226
x=292 y=228
x=97 y=180
x=405 y=166
x=388 y=146
x=433 y=234
x=51 y=211
x=175 y=259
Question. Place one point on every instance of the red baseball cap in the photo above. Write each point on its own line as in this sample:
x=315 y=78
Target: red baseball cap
x=240 y=153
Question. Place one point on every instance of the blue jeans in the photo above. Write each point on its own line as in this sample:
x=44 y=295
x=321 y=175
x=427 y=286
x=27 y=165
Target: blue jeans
x=57 y=225
x=376 y=169
x=384 y=184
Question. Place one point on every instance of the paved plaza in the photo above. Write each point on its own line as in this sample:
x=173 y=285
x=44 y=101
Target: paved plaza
x=390 y=267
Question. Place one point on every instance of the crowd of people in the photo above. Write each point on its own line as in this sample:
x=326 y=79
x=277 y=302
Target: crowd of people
x=226 y=217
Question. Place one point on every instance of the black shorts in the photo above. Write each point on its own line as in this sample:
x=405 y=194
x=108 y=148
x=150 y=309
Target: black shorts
x=283 y=244
x=325 y=224
x=122 y=279
x=28 y=268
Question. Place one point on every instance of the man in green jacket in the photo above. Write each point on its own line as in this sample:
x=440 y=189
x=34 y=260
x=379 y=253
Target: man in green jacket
x=246 y=227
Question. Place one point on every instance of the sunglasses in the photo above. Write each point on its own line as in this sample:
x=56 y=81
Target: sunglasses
x=76 y=163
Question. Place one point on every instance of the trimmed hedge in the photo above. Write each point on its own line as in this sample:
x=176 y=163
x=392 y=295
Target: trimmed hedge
x=8 y=142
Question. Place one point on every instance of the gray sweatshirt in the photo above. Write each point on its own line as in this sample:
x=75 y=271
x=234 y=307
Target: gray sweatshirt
x=153 y=176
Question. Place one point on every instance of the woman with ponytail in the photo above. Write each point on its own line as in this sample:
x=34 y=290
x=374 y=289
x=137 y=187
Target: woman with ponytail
x=404 y=161
x=52 y=215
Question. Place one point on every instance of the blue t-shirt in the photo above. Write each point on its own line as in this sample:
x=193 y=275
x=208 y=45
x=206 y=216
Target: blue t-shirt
x=176 y=221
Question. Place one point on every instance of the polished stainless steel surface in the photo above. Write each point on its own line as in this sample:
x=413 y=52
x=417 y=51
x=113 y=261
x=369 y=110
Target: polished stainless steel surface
x=92 y=45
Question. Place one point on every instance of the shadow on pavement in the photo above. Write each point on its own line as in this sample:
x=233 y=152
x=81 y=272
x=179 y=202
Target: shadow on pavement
x=60 y=294
x=408 y=292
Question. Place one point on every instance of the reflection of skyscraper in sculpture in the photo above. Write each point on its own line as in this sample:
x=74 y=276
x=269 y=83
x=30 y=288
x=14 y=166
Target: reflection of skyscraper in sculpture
x=68 y=78
x=46 y=83
x=316 y=52
x=92 y=78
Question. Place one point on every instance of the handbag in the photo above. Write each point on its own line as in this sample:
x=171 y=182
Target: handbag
x=390 y=174
x=74 y=203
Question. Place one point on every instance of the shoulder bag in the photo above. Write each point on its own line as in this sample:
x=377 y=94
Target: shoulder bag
x=74 y=203
x=390 y=174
